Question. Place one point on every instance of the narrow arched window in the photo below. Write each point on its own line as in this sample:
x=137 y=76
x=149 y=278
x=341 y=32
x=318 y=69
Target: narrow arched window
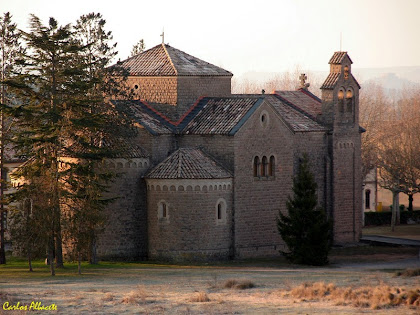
x=271 y=166
x=256 y=166
x=163 y=211
x=341 y=101
x=221 y=211
x=349 y=101
x=367 y=199
x=264 y=166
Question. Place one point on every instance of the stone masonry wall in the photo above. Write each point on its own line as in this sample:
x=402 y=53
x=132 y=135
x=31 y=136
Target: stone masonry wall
x=191 y=230
x=315 y=144
x=220 y=147
x=125 y=235
x=190 y=88
x=162 y=90
x=258 y=200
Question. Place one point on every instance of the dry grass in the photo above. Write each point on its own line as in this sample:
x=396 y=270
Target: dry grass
x=409 y=273
x=375 y=297
x=238 y=284
x=135 y=296
x=108 y=297
x=200 y=297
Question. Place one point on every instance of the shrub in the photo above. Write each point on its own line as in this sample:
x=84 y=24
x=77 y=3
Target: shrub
x=409 y=273
x=238 y=284
x=200 y=297
x=384 y=218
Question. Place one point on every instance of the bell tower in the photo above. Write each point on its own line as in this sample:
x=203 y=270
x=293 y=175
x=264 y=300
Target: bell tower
x=340 y=112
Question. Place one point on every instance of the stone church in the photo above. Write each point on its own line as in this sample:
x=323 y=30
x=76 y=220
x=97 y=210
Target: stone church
x=210 y=170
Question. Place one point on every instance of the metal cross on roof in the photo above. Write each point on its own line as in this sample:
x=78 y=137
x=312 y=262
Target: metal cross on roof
x=163 y=36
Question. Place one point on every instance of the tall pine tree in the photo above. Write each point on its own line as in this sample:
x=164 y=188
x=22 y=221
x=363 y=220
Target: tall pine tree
x=9 y=48
x=46 y=91
x=306 y=230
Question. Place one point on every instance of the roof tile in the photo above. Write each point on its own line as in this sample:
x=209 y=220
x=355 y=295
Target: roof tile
x=164 y=60
x=188 y=163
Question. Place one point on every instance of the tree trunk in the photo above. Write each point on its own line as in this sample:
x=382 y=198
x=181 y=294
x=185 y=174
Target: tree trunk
x=93 y=257
x=398 y=212
x=395 y=205
x=51 y=254
x=410 y=202
x=79 y=265
x=59 y=247
x=30 y=260
x=2 y=183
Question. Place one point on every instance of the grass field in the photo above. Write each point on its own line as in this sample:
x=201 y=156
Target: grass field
x=355 y=276
x=404 y=231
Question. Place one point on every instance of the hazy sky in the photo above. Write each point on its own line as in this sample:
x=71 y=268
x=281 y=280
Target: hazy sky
x=258 y=35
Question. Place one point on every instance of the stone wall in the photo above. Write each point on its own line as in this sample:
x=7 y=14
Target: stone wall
x=220 y=147
x=190 y=88
x=190 y=230
x=315 y=145
x=125 y=234
x=161 y=90
x=259 y=199
x=181 y=91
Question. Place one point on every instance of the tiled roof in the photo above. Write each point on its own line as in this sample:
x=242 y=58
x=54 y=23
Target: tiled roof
x=164 y=60
x=338 y=57
x=331 y=81
x=119 y=148
x=221 y=115
x=303 y=99
x=144 y=116
x=293 y=116
x=188 y=163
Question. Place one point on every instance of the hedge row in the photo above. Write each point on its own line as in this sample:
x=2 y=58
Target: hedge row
x=384 y=218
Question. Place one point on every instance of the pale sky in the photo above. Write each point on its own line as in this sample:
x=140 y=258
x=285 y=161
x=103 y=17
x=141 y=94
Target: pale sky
x=259 y=35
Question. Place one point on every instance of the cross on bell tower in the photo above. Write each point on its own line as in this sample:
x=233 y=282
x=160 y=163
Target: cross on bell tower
x=303 y=79
x=163 y=36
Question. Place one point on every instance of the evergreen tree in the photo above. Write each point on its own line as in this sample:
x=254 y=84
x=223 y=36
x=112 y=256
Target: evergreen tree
x=47 y=89
x=9 y=48
x=306 y=230
x=138 y=48
x=95 y=124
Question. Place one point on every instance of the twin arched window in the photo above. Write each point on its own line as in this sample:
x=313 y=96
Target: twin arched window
x=264 y=167
x=345 y=100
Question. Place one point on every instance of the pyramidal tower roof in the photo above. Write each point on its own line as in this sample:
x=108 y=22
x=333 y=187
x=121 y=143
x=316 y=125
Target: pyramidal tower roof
x=188 y=163
x=164 y=60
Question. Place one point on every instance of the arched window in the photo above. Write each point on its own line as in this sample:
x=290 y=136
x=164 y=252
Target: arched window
x=221 y=211
x=346 y=72
x=341 y=101
x=256 y=166
x=367 y=199
x=264 y=166
x=163 y=211
x=349 y=100
x=271 y=166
